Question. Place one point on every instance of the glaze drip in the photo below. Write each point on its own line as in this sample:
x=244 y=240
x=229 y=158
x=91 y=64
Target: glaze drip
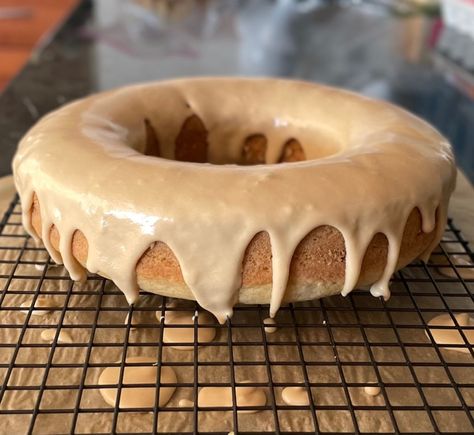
x=379 y=163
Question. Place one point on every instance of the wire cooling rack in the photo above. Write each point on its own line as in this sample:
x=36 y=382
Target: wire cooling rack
x=333 y=348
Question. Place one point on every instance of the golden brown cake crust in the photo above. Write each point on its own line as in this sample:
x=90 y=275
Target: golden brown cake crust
x=317 y=268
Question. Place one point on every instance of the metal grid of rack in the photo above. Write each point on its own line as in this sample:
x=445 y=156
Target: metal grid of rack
x=333 y=348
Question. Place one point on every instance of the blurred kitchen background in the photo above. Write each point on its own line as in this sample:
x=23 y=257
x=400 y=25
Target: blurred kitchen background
x=416 y=53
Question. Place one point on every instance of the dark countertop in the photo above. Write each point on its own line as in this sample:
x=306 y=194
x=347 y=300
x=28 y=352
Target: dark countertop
x=364 y=48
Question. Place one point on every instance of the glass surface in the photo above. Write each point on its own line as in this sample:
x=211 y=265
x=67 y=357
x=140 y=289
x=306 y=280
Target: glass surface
x=363 y=46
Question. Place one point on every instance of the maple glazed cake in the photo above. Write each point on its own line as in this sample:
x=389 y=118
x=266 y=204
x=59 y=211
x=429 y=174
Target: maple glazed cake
x=229 y=190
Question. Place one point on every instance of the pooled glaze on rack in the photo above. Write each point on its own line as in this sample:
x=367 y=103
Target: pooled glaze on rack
x=137 y=397
x=369 y=164
x=49 y=334
x=295 y=396
x=464 y=272
x=186 y=335
x=210 y=397
x=43 y=306
x=452 y=335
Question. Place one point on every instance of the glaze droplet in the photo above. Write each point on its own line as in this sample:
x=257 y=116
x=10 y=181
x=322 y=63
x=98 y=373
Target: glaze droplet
x=271 y=328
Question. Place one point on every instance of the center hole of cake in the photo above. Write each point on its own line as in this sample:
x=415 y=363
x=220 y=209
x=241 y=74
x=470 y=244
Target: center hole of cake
x=192 y=144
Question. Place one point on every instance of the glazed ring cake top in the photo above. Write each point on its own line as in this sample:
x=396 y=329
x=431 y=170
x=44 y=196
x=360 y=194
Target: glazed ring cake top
x=369 y=164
